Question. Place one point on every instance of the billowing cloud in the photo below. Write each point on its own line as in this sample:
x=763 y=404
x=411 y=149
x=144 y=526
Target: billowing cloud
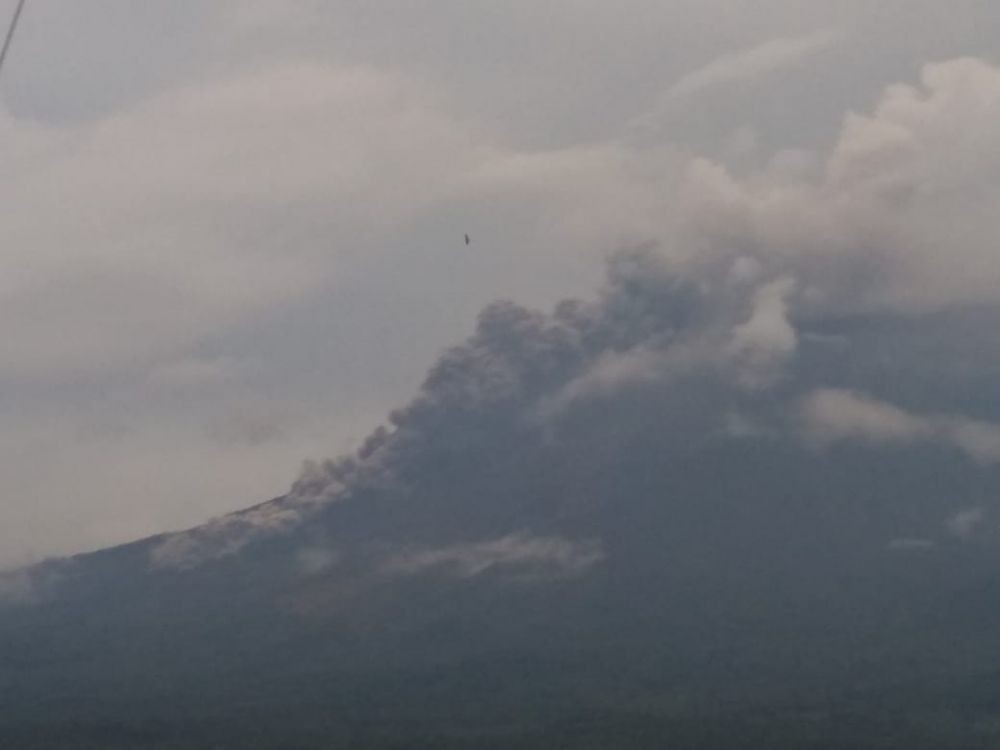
x=642 y=433
x=900 y=216
x=188 y=219
x=748 y=257
x=514 y=367
x=141 y=266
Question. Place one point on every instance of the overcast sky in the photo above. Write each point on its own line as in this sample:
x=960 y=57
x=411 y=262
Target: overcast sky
x=231 y=233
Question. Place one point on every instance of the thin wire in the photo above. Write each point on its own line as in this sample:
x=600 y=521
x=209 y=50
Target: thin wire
x=10 y=31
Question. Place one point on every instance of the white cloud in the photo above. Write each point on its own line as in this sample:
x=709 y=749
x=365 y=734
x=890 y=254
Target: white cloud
x=136 y=236
x=964 y=523
x=203 y=207
x=980 y=440
x=902 y=215
x=754 y=62
x=762 y=343
x=832 y=415
x=610 y=373
x=519 y=553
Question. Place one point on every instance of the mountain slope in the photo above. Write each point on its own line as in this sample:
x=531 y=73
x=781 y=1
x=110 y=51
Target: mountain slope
x=641 y=518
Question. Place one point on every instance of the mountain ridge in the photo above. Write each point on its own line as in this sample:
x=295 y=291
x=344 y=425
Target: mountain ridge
x=635 y=516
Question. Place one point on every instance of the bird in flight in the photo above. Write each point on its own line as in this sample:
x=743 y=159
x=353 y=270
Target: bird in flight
x=467 y=240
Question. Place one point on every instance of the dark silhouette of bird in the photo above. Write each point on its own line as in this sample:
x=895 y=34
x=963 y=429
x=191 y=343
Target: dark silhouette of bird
x=467 y=240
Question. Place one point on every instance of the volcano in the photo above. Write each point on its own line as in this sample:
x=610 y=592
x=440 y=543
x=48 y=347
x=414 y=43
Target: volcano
x=672 y=516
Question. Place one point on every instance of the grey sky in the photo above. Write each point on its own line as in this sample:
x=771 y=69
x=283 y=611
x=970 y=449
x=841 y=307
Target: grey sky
x=231 y=232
